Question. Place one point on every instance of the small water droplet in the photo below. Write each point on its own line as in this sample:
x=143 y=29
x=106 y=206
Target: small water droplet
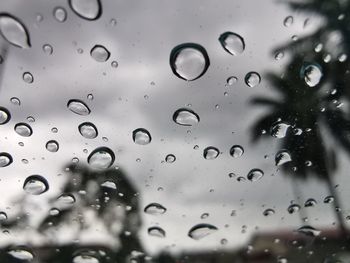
x=85 y=258
x=255 y=175
x=309 y=231
x=156 y=232
x=170 y=158
x=60 y=14
x=310 y=202
x=185 y=117
x=88 y=130
x=52 y=146
x=279 y=130
x=28 y=77
x=288 y=21
x=236 y=151
x=109 y=184
x=211 y=153
x=293 y=208
x=23 y=129
x=3 y=216
x=312 y=74
x=15 y=101
x=279 y=55
x=54 y=130
x=78 y=107
x=14 y=31
x=155 y=209
x=48 y=49
x=282 y=157
x=141 y=136
x=204 y=215
x=100 y=53
x=54 y=212
x=21 y=254
x=232 y=43
x=252 y=79
x=87 y=9
x=328 y=199
x=5 y=116
x=269 y=212
x=114 y=64
x=101 y=158
x=200 y=231
x=189 y=61
x=5 y=159
x=35 y=185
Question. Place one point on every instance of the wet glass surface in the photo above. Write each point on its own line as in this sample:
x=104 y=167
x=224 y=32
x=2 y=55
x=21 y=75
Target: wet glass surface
x=177 y=131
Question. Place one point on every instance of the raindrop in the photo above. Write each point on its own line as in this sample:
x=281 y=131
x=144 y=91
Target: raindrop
x=54 y=130
x=312 y=74
x=66 y=199
x=78 y=107
x=100 y=53
x=52 y=146
x=309 y=231
x=114 y=64
x=201 y=230
x=293 y=208
x=269 y=212
x=87 y=9
x=35 y=185
x=109 y=184
x=328 y=199
x=14 y=31
x=5 y=115
x=101 y=158
x=210 y=153
x=47 y=49
x=236 y=151
x=185 y=117
x=28 y=77
x=288 y=21
x=189 y=61
x=255 y=175
x=170 y=158
x=155 y=209
x=279 y=55
x=23 y=129
x=279 y=130
x=5 y=159
x=21 y=254
x=310 y=202
x=231 y=80
x=232 y=43
x=156 y=232
x=252 y=79
x=88 y=130
x=60 y=14
x=3 y=216
x=204 y=215
x=141 y=136
x=85 y=259
x=282 y=157
x=54 y=212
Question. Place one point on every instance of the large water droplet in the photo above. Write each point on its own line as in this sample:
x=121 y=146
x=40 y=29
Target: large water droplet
x=309 y=231
x=156 y=232
x=21 y=254
x=87 y=9
x=232 y=43
x=35 y=185
x=101 y=158
x=211 y=153
x=282 y=157
x=141 y=136
x=312 y=74
x=155 y=209
x=60 y=14
x=279 y=130
x=14 y=31
x=236 y=151
x=5 y=159
x=78 y=107
x=252 y=79
x=52 y=146
x=100 y=53
x=3 y=216
x=23 y=129
x=189 y=61
x=88 y=130
x=201 y=230
x=5 y=115
x=255 y=175
x=185 y=117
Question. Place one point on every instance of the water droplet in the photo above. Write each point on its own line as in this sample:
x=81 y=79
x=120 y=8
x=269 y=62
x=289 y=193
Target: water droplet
x=236 y=151
x=279 y=55
x=48 y=49
x=211 y=153
x=170 y=158
x=54 y=212
x=23 y=129
x=88 y=130
x=35 y=185
x=114 y=64
x=309 y=231
x=14 y=31
x=5 y=115
x=310 y=202
x=293 y=208
x=87 y=9
x=282 y=260
x=279 y=130
x=252 y=79
x=141 y=136
x=231 y=80
x=312 y=74
x=78 y=107
x=66 y=200
x=21 y=254
x=185 y=117
x=269 y=212
x=85 y=258
x=15 y=101
x=155 y=209
x=5 y=159
x=52 y=146
x=232 y=43
x=60 y=14
x=101 y=158
x=113 y=22
x=282 y=157
x=189 y=61
x=255 y=175
x=109 y=184
x=328 y=199
x=28 y=77
x=156 y=232
x=3 y=216
x=54 y=130
x=288 y=21
x=204 y=215
x=200 y=231
x=100 y=53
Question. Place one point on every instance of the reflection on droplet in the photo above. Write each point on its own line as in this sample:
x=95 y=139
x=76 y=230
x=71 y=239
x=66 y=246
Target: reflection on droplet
x=88 y=130
x=35 y=185
x=155 y=209
x=23 y=129
x=211 y=153
x=5 y=115
x=201 y=230
x=85 y=259
x=100 y=53
x=28 y=77
x=185 y=117
x=312 y=74
x=48 y=49
x=156 y=232
x=279 y=130
x=288 y=21
x=5 y=159
x=21 y=254
x=232 y=43
x=170 y=158
x=309 y=231
x=252 y=79
x=189 y=61
x=293 y=208
x=269 y=212
x=52 y=146
x=310 y=202
x=114 y=64
x=141 y=136
x=282 y=157
x=14 y=31
x=87 y=9
x=255 y=175
x=60 y=14
x=236 y=151
x=78 y=107
x=101 y=158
